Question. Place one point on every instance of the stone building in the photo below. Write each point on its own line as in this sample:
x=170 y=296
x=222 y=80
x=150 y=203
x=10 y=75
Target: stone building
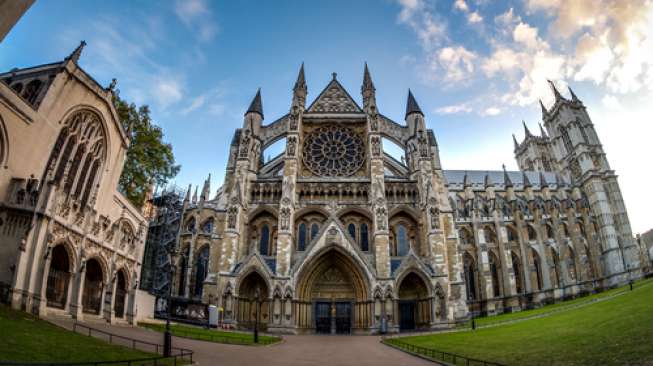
x=335 y=235
x=70 y=243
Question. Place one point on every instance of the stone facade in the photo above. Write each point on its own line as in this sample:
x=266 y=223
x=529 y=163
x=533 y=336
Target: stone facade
x=71 y=244
x=336 y=235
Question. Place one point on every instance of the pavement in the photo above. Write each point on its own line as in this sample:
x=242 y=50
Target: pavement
x=294 y=350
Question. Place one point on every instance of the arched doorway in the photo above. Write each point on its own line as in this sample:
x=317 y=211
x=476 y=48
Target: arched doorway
x=121 y=295
x=58 y=278
x=333 y=294
x=252 y=284
x=414 y=303
x=93 y=287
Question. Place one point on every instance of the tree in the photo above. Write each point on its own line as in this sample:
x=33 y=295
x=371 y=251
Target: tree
x=149 y=160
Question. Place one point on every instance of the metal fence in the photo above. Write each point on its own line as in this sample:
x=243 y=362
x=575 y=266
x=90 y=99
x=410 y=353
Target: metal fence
x=441 y=356
x=207 y=336
x=179 y=356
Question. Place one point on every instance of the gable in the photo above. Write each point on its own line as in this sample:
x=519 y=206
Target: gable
x=334 y=99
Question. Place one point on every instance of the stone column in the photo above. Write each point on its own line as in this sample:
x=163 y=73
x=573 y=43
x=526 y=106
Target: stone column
x=287 y=205
x=505 y=257
x=379 y=204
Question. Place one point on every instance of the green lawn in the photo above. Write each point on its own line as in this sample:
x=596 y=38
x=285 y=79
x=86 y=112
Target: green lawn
x=211 y=335
x=616 y=331
x=25 y=338
x=559 y=306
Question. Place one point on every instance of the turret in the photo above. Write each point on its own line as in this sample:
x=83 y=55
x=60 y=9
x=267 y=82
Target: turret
x=555 y=91
x=545 y=113
x=367 y=90
x=206 y=190
x=414 y=116
x=77 y=53
x=527 y=132
x=300 y=91
x=256 y=106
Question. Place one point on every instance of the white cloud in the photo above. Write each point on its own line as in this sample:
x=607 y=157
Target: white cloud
x=454 y=109
x=167 y=92
x=491 y=111
x=197 y=15
x=527 y=35
x=429 y=30
x=474 y=17
x=458 y=62
x=611 y=102
x=461 y=5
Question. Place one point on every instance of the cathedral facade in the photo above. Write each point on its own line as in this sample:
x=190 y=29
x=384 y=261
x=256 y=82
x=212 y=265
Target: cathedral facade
x=334 y=235
x=70 y=243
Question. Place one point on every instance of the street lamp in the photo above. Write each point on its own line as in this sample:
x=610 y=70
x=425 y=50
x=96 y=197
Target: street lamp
x=257 y=295
x=167 y=336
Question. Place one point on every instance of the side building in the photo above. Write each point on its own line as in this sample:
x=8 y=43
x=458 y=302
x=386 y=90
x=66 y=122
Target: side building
x=70 y=243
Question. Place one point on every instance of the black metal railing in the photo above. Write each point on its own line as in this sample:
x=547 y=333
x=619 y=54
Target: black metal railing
x=436 y=355
x=129 y=342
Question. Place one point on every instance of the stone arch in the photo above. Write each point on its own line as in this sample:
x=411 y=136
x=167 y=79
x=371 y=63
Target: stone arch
x=518 y=271
x=496 y=274
x=200 y=268
x=94 y=283
x=358 y=225
x=471 y=276
x=4 y=144
x=262 y=233
x=490 y=234
x=308 y=224
x=404 y=233
x=414 y=301
x=59 y=274
x=333 y=276
x=122 y=288
x=251 y=283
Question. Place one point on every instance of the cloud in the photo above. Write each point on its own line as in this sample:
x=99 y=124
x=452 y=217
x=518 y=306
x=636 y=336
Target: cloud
x=458 y=62
x=491 y=111
x=474 y=17
x=454 y=109
x=211 y=100
x=197 y=15
x=527 y=35
x=430 y=31
x=461 y=5
x=167 y=91
x=611 y=102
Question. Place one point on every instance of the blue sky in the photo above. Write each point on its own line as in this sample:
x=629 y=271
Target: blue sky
x=476 y=67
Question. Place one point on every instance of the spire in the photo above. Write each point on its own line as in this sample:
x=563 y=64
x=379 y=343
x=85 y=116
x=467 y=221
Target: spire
x=412 y=106
x=574 y=98
x=543 y=182
x=542 y=132
x=488 y=180
x=367 y=80
x=187 y=197
x=206 y=189
x=555 y=91
x=195 y=195
x=514 y=140
x=466 y=182
x=301 y=79
x=545 y=113
x=74 y=57
x=257 y=105
x=506 y=178
x=526 y=131
x=526 y=181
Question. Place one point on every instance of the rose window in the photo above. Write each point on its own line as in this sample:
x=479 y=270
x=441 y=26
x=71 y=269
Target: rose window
x=333 y=151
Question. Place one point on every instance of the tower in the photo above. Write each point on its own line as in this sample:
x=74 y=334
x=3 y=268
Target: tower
x=579 y=156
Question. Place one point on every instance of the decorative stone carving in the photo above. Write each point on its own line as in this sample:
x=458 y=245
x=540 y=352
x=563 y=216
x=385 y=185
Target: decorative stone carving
x=423 y=145
x=334 y=151
x=434 y=212
x=291 y=146
x=381 y=218
x=334 y=100
x=293 y=119
x=244 y=144
x=232 y=217
x=285 y=218
x=376 y=146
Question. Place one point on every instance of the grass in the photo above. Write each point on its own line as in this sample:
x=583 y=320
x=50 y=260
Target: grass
x=211 y=335
x=25 y=338
x=559 y=306
x=616 y=331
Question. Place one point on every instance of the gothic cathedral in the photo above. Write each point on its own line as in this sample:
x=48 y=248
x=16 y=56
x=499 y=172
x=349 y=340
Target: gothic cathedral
x=335 y=235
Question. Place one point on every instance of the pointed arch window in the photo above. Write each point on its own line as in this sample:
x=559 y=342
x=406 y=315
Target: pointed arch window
x=201 y=270
x=352 y=231
x=315 y=229
x=264 y=241
x=402 y=240
x=537 y=267
x=494 y=270
x=516 y=267
x=365 y=246
x=301 y=237
x=470 y=276
x=565 y=139
x=207 y=226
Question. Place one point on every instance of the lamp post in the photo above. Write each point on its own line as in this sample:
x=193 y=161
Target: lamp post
x=257 y=295
x=167 y=336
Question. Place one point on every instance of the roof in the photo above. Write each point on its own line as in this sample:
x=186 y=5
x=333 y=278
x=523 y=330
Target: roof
x=477 y=177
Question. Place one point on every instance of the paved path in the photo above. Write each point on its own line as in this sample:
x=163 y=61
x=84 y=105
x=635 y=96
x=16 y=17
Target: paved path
x=294 y=350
